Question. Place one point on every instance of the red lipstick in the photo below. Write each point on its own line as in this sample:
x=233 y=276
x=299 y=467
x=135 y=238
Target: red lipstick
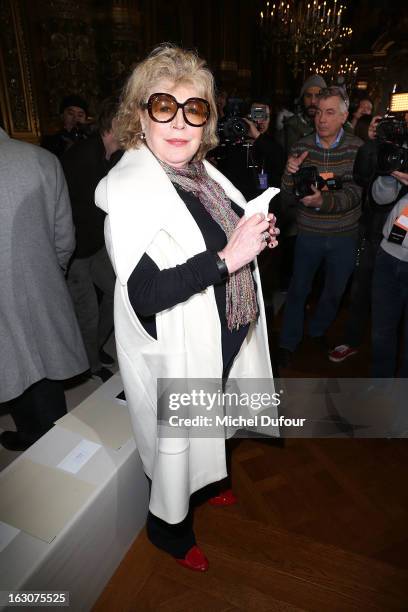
x=177 y=142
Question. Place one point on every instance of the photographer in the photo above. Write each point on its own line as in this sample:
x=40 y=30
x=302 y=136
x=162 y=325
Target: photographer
x=251 y=158
x=84 y=165
x=382 y=193
x=74 y=113
x=390 y=279
x=364 y=107
x=267 y=154
x=302 y=124
x=327 y=218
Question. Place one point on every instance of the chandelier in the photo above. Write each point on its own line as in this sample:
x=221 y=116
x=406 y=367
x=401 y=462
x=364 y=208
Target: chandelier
x=304 y=32
x=342 y=69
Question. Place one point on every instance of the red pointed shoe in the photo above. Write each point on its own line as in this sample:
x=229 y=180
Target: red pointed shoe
x=225 y=498
x=195 y=560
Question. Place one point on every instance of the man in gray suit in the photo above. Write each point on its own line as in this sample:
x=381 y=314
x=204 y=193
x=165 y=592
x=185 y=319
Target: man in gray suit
x=40 y=341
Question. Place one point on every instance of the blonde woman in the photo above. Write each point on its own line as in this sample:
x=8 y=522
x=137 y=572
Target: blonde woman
x=186 y=304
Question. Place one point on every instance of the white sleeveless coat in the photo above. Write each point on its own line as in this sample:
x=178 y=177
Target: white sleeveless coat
x=146 y=215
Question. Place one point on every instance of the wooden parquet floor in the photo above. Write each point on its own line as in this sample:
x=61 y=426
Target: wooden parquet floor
x=321 y=525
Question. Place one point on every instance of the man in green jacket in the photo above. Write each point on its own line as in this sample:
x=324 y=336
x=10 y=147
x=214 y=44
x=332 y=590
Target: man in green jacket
x=302 y=124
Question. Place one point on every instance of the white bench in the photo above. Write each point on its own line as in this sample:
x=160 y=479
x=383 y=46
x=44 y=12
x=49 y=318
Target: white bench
x=85 y=553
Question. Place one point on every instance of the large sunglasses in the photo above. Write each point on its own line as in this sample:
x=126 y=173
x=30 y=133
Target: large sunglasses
x=163 y=107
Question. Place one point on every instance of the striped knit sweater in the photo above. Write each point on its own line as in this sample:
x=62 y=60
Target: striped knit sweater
x=341 y=209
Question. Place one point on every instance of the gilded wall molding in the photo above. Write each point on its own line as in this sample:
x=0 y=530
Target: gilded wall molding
x=66 y=42
x=17 y=98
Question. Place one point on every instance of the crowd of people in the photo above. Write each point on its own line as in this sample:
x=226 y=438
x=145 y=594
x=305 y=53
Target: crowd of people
x=337 y=227
x=172 y=245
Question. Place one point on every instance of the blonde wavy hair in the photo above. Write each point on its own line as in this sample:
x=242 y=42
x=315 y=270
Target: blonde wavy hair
x=170 y=63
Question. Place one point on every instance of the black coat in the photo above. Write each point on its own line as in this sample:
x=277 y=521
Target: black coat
x=84 y=166
x=365 y=172
x=242 y=164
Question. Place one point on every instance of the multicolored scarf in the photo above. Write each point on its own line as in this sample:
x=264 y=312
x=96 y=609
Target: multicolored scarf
x=241 y=304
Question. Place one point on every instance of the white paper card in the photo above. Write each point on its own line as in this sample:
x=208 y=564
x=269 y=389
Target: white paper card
x=7 y=534
x=261 y=203
x=79 y=455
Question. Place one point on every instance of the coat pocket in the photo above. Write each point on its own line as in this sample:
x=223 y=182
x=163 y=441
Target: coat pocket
x=133 y=318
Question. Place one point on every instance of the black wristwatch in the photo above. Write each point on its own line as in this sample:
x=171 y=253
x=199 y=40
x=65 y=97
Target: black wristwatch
x=222 y=267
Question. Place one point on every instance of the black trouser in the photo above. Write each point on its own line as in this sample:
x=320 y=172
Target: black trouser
x=287 y=258
x=177 y=539
x=360 y=298
x=35 y=410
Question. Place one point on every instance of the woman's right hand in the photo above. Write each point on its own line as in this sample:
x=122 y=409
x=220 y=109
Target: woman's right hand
x=246 y=242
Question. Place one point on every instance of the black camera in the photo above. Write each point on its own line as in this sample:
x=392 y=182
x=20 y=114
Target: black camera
x=392 y=133
x=82 y=131
x=393 y=128
x=307 y=176
x=258 y=113
x=391 y=157
x=235 y=128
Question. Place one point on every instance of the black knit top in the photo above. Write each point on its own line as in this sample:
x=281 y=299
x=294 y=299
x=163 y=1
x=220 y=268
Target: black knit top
x=152 y=290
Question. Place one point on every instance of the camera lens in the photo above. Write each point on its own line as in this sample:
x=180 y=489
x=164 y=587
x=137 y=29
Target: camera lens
x=235 y=128
x=392 y=129
x=390 y=158
x=304 y=179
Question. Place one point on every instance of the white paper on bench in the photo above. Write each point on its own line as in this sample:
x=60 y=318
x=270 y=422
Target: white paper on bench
x=79 y=455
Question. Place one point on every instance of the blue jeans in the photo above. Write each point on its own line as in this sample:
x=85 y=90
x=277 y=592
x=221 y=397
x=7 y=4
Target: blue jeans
x=338 y=252
x=389 y=306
